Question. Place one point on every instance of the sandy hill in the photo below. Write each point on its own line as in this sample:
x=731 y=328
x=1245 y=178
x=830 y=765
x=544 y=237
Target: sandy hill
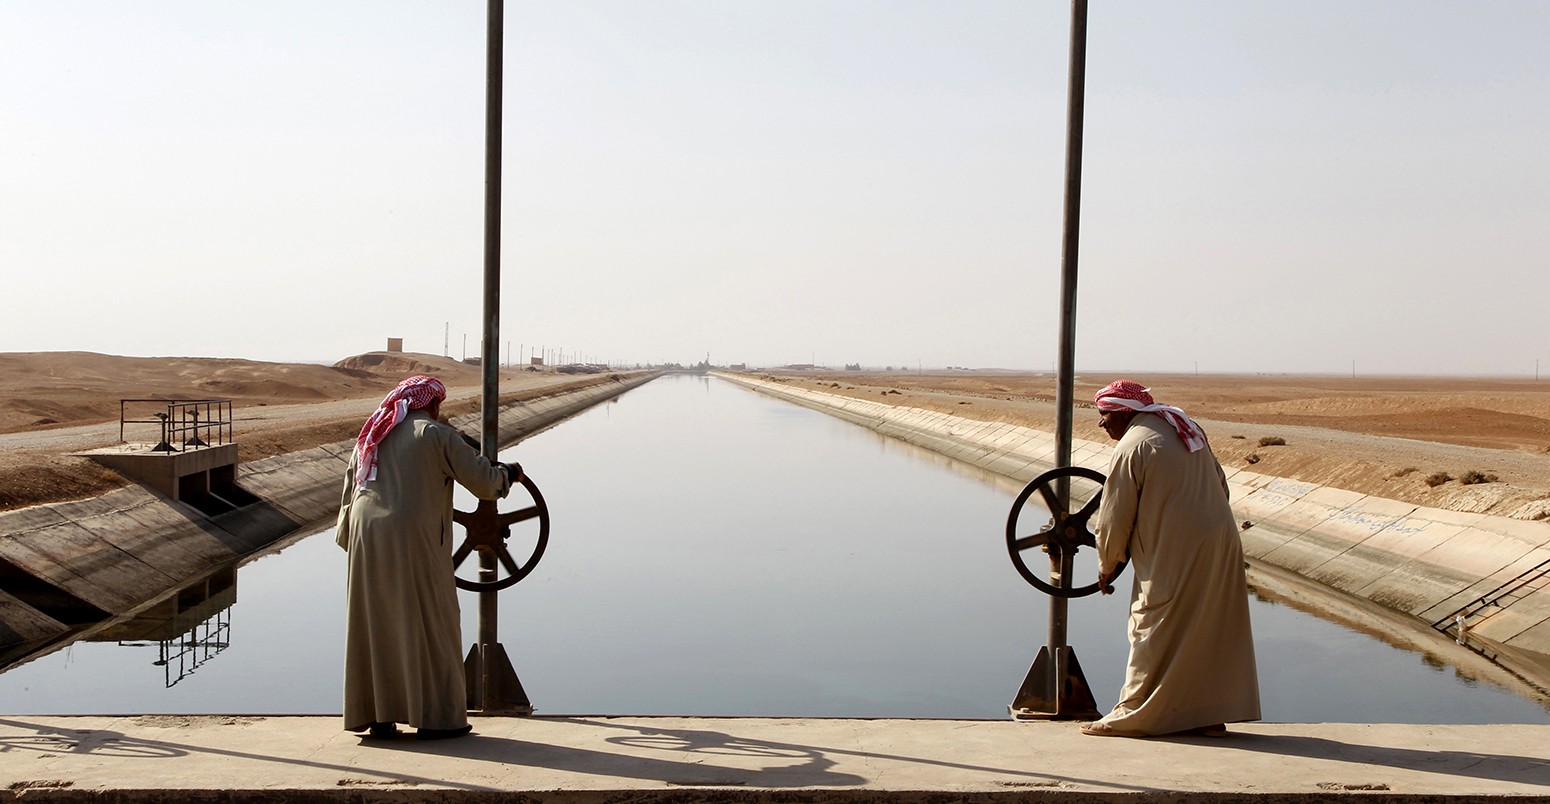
x=57 y=389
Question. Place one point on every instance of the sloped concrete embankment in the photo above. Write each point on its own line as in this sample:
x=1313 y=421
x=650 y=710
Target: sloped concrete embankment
x=1383 y=561
x=70 y=566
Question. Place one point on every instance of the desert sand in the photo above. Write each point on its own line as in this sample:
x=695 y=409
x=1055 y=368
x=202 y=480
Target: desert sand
x=55 y=405
x=1393 y=437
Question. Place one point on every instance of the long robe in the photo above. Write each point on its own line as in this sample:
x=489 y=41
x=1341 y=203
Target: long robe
x=403 y=658
x=1166 y=510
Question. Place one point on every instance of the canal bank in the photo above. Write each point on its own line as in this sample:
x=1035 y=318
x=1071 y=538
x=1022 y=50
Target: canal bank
x=67 y=568
x=597 y=759
x=1382 y=564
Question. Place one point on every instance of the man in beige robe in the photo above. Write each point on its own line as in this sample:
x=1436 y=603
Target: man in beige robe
x=403 y=643
x=1165 y=510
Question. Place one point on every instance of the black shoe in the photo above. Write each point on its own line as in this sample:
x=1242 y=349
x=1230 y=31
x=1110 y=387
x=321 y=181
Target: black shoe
x=442 y=734
x=382 y=731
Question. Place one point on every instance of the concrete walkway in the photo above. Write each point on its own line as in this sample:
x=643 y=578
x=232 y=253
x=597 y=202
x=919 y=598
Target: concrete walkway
x=599 y=759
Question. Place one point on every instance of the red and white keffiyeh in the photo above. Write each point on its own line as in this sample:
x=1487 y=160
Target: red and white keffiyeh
x=414 y=393
x=1131 y=395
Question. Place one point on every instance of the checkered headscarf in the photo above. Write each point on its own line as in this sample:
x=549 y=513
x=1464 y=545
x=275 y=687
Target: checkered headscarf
x=1130 y=395
x=414 y=393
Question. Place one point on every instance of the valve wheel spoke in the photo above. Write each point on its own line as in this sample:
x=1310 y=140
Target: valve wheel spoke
x=1036 y=540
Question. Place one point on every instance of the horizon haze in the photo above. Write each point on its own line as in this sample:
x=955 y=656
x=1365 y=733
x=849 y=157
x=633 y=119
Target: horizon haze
x=1276 y=187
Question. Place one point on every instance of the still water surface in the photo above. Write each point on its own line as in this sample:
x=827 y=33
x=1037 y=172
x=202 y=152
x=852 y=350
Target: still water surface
x=716 y=552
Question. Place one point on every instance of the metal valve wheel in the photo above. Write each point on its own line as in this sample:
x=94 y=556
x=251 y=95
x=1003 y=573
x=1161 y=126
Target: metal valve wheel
x=487 y=530
x=1065 y=532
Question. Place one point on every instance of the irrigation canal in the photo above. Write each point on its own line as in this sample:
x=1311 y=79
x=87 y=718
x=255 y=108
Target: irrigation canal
x=719 y=553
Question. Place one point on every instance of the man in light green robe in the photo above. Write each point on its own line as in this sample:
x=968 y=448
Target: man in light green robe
x=1165 y=510
x=403 y=643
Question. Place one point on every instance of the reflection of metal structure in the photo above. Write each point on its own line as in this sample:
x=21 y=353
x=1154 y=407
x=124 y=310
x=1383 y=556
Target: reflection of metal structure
x=1055 y=687
x=188 y=628
x=492 y=682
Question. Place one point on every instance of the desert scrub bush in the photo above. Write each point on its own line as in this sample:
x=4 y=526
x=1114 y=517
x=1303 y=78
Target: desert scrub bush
x=1437 y=478
x=1473 y=477
x=1408 y=470
x=1238 y=436
x=1272 y=441
x=1252 y=457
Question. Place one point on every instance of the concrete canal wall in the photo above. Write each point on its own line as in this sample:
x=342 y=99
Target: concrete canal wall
x=1434 y=568
x=68 y=567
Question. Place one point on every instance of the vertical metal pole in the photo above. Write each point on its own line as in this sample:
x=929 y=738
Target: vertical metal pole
x=1055 y=686
x=490 y=359
x=489 y=435
x=1064 y=397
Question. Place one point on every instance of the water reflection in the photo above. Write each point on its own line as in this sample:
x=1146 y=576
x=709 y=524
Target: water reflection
x=716 y=552
x=188 y=628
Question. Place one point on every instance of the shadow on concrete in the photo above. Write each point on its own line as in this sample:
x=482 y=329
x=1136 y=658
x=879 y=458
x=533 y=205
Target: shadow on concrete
x=107 y=742
x=783 y=765
x=1521 y=770
x=808 y=765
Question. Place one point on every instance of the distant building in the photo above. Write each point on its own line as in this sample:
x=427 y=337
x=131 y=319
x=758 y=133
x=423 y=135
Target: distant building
x=395 y=344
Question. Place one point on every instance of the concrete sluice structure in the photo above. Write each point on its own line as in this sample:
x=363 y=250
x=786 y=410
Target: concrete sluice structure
x=69 y=570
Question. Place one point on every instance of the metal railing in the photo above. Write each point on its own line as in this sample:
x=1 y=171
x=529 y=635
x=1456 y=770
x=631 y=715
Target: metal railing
x=184 y=423
x=1460 y=621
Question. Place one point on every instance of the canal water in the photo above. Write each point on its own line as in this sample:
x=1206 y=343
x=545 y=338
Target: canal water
x=717 y=552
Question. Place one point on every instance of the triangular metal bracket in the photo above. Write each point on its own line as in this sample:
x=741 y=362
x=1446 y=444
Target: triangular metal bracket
x=493 y=686
x=1040 y=698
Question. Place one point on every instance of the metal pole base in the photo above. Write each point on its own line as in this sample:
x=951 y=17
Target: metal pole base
x=493 y=687
x=1040 y=698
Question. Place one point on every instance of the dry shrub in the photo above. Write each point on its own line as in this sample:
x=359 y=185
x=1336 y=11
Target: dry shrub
x=1252 y=457
x=1403 y=472
x=1473 y=477
x=1238 y=436
x=1437 y=478
x=1272 y=441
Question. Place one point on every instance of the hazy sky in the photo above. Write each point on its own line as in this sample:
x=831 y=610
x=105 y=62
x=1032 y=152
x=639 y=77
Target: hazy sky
x=1269 y=186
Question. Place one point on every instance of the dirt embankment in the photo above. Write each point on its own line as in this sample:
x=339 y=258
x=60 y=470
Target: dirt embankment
x=1405 y=438
x=1394 y=437
x=56 y=404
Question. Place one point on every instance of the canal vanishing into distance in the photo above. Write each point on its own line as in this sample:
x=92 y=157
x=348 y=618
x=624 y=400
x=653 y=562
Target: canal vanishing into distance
x=717 y=552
